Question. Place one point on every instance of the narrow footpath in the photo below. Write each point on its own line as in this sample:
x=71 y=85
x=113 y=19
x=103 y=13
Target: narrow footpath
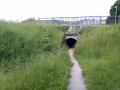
x=76 y=82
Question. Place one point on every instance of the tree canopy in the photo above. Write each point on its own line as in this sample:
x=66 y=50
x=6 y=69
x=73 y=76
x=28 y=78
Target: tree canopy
x=113 y=9
x=111 y=18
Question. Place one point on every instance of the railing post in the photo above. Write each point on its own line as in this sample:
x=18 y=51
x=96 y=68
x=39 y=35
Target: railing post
x=52 y=20
x=100 y=19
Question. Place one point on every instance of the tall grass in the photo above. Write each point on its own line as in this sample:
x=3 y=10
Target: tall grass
x=22 y=40
x=98 y=53
x=31 y=57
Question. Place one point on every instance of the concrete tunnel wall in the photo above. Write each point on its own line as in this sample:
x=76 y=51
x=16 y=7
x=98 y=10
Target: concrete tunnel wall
x=70 y=42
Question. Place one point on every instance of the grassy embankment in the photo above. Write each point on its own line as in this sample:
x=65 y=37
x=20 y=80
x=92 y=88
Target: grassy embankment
x=98 y=53
x=31 y=57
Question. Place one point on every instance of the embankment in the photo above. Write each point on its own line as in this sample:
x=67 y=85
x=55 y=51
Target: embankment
x=98 y=53
x=31 y=57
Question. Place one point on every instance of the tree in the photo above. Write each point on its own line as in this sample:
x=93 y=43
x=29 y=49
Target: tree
x=30 y=20
x=111 y=18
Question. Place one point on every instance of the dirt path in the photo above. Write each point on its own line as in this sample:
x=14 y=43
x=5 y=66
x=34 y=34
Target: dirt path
x=76 y=82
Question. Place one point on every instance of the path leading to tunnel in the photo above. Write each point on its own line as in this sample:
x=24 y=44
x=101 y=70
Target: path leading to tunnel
x=76 y=82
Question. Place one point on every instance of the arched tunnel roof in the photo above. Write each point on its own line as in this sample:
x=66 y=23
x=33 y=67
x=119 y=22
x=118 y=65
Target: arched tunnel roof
x=72 y=37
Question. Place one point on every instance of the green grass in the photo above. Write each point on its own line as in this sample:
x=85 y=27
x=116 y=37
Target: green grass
x=31 y=57
x=98 y=53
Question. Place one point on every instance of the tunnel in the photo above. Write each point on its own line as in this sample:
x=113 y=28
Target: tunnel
x=70 y=42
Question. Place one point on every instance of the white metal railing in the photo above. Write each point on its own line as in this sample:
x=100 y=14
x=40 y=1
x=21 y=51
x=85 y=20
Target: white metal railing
x=82 y=20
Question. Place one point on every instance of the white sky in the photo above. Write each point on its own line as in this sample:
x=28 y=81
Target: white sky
x=23 y=9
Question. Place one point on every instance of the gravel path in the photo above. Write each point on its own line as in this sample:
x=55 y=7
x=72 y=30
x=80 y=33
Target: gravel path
x=76 y=82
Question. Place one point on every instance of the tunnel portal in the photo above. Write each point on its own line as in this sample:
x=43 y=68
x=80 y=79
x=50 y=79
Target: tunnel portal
x=70 y=42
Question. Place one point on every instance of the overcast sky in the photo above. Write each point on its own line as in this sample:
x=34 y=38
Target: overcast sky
x=23 y=9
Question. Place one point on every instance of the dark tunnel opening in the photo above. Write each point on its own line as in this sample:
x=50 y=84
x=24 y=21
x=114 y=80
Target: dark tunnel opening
x=70 y=42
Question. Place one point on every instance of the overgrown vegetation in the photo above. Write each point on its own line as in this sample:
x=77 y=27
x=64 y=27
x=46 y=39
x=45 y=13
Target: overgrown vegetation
x=62 y=28
x=98 y=53
x=31 y=57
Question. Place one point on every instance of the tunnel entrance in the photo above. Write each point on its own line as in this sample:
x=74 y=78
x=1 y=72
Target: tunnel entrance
x=70 y=42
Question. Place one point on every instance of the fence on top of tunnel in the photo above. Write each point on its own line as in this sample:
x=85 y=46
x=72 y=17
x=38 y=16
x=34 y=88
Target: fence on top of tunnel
x=83 y=20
